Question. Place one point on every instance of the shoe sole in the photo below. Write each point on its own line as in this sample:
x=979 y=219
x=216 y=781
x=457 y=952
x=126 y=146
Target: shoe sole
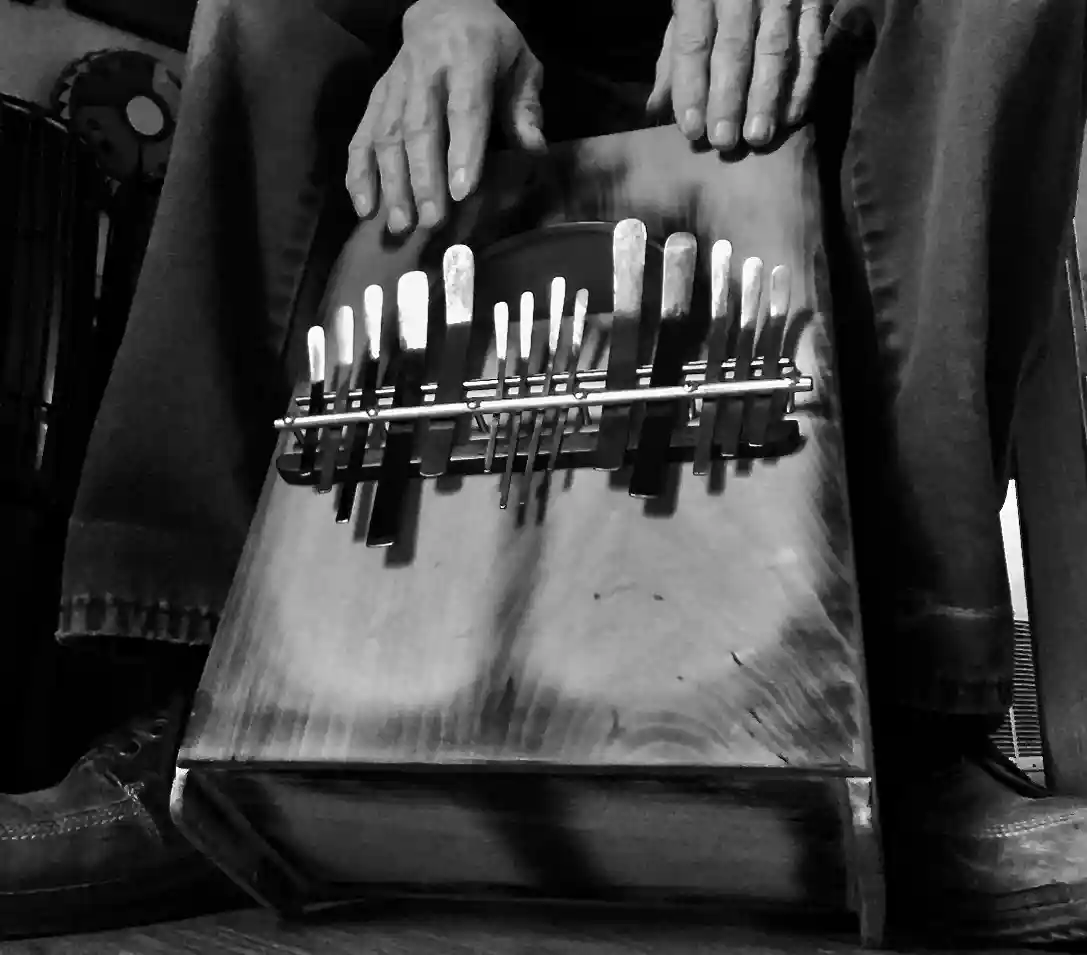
x=122 y=903
x=1050 y=915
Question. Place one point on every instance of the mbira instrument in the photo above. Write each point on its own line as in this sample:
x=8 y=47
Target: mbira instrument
x=673 y=407
x=574 y=616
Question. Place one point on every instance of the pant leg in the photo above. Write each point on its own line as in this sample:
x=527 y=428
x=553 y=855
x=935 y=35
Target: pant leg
x=957 y=179
x=273 y=91
x=252 y=217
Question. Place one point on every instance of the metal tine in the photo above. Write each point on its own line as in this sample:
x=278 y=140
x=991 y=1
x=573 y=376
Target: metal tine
x=556 y=305
x=661 y=418
x=458 y=271
x=628 y=272
x=366 y=378
x=763 y=410
x=528 y=308
x=716 y=348
x=501 y=348
x=315 y=346
x=412 y=300
x=730 y=415
x=577 y=336
x=343 y=334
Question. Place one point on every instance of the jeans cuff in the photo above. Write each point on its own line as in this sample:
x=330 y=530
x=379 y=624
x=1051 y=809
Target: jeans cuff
x=129 y=581
x=92 y=617
x=948 y=660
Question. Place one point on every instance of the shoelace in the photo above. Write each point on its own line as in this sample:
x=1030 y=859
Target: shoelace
x=127 y=742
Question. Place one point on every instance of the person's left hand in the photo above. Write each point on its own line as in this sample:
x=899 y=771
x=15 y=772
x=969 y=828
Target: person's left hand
x=739 y=69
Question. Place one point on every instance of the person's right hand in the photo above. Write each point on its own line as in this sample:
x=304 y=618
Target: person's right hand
x=461 y=60
x=737 y=70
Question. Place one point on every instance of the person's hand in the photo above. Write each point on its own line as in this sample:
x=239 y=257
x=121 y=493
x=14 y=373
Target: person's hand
x=738 y=69
x=461 y=61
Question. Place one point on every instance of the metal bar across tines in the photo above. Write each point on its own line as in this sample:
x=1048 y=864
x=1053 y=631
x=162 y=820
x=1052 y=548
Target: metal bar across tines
x=481 y=389
x=579 y=399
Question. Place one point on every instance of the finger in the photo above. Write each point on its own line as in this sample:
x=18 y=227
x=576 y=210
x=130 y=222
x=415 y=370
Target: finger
x=423 y=146
x=361 y=179
x=730 y=71
x=691 y=45
x=392 y=162
x=773 y=48
x=526 y=113
x=471 y=100
x=809 y=47
x=662 y=82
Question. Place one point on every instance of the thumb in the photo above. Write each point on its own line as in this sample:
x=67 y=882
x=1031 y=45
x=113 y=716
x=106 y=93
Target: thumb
x=662 y=82
x=525 y=111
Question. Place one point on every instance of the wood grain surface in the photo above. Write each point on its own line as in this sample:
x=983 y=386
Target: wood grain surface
x=734 y=844
x=411 y=930
x=719 y=631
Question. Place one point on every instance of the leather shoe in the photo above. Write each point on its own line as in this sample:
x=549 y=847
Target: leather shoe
x=98 y=850
x=976 y=852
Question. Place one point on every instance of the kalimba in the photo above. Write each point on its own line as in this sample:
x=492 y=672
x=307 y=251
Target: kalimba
x=575 y=616
x=657 y=404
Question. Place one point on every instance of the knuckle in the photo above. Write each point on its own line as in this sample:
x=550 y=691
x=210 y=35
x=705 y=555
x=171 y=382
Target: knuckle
x=364 y=134
x=691 y=41
x=466 y=100
x=810 y=46
x=360 y=141
x=419 y=122
x=388 y=136
x=731 y=48
x=775 y=37
x=476 y=39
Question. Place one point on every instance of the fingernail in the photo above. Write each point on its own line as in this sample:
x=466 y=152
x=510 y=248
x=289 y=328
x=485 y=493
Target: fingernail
x=458 y=185
x=692 y=121
x=362 y=205
x=758 y=130
x=398 y=221
x=725 y=134
x=428 y=215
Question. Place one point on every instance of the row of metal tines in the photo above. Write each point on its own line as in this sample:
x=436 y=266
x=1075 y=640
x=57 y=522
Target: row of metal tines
x=673 y=385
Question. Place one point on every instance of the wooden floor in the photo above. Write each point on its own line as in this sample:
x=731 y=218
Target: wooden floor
x=476 y=932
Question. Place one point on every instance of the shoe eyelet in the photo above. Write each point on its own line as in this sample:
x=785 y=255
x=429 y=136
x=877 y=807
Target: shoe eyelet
x=157 y=729
x=131 y=749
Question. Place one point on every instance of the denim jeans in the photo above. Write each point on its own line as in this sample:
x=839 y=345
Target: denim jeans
x=949 y=134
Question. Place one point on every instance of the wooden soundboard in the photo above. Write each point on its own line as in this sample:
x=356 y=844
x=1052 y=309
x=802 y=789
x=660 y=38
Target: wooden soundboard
x=595 y=696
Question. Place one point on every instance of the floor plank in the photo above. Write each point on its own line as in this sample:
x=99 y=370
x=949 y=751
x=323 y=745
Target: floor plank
x=478 y=931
